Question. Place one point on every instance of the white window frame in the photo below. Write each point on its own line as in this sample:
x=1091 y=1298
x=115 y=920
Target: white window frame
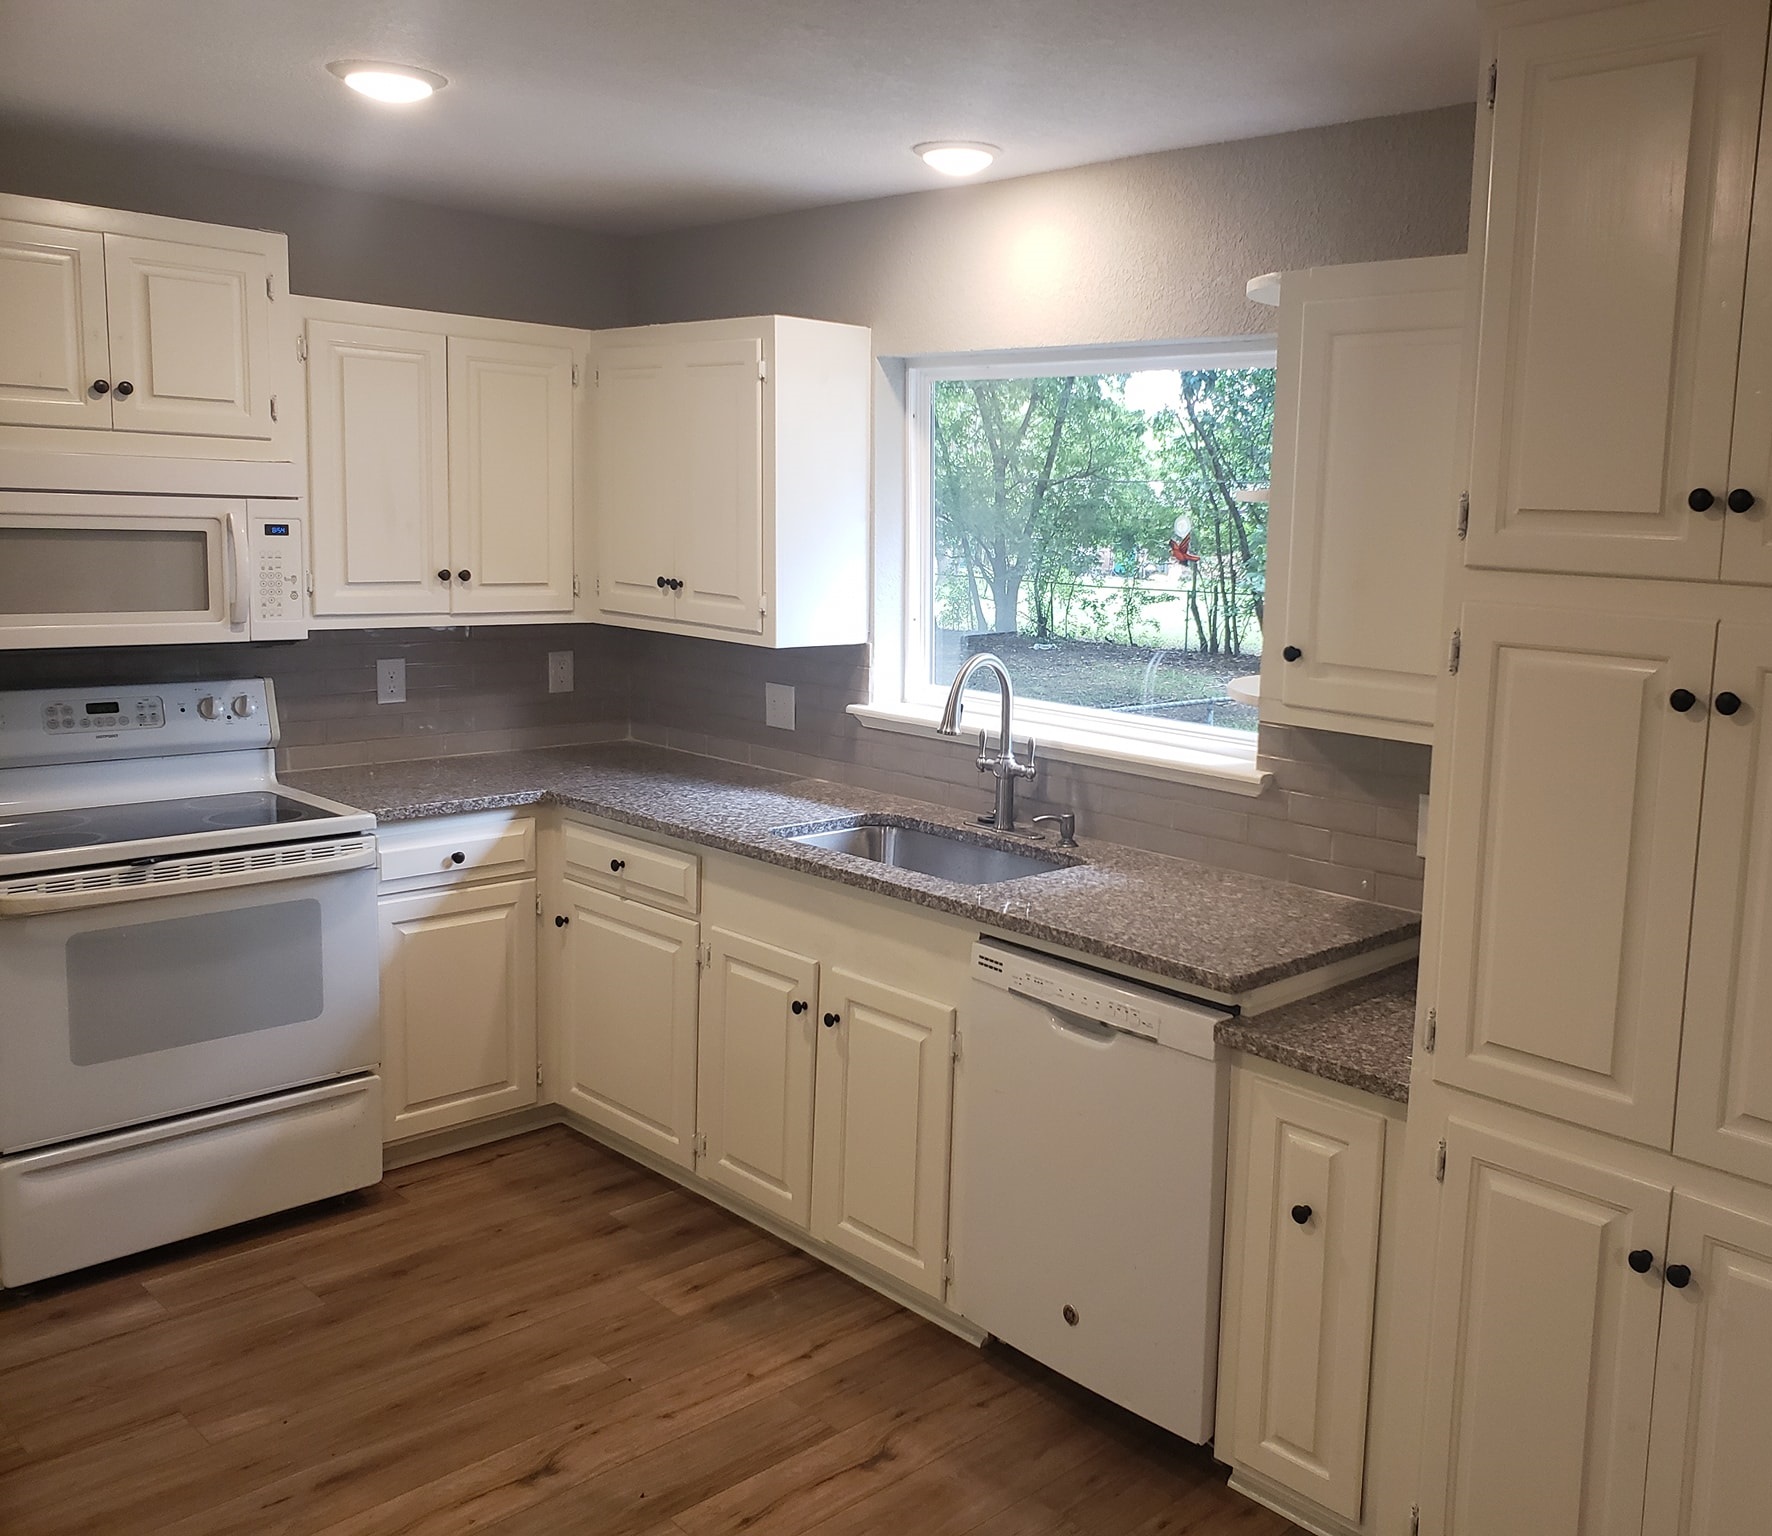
x=902 y=700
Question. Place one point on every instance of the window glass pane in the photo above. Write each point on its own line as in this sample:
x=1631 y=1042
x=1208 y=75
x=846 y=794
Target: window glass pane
x=1106 y=534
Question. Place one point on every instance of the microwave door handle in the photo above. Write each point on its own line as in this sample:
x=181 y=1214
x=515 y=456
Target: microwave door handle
x=236 y=569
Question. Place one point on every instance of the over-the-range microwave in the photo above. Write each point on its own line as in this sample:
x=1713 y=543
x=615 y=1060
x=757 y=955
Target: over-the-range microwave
x=79 y=569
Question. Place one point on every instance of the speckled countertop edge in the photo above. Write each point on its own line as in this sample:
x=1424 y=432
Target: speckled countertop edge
x=1217 y=930
x=1361 y=1034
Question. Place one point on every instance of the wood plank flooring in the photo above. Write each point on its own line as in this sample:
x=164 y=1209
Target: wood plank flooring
x=540 y=1337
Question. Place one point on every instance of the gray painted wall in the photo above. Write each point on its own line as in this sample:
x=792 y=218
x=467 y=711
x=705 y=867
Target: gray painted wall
x=1154 y=248
x=343 y=243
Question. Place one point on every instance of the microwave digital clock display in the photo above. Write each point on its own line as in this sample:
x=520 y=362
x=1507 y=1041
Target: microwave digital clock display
x=277 y=530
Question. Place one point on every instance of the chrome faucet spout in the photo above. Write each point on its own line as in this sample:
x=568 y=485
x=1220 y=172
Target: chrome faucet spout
x=1003 y=764
x=950 y=713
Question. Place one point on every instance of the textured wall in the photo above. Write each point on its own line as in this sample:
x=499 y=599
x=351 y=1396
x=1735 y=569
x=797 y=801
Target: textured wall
x=343 y=244
x=1152 y=248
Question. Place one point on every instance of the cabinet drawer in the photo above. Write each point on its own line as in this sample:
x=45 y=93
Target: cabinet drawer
x=456 y=848
x=644 y=871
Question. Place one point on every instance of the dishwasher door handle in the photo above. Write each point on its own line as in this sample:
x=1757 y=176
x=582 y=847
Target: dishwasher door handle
x=1074 y=1023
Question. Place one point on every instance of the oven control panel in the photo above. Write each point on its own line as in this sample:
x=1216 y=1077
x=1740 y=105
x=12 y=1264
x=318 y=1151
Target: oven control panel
x=121 y=712
x=64 y=725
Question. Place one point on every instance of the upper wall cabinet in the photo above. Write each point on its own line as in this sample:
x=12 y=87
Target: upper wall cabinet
x=442 y=454
x=145 y=354
x=730 y=479
x=1364 y=491
x=1621 y=181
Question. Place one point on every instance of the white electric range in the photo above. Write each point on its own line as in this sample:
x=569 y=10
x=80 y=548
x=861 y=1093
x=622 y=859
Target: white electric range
x=189 y=987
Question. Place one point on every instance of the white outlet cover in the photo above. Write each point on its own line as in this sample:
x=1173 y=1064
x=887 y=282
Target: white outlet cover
x=559 y=671
x=390 y=681
x=778 y=706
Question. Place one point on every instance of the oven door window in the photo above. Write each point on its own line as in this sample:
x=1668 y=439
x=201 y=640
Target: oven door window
x=153 y=986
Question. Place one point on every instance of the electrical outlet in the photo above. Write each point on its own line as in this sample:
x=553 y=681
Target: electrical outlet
x=390 y=681
x=778 y=706
x=559 y=671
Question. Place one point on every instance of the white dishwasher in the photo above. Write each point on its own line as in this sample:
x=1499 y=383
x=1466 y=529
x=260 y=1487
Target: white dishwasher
x=1089 y=1150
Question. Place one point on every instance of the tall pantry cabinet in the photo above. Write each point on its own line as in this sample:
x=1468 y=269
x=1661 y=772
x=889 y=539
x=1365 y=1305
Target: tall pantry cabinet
x=1590 y=1137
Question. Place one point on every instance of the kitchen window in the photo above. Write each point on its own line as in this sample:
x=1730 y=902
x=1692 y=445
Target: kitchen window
x=1099 y=521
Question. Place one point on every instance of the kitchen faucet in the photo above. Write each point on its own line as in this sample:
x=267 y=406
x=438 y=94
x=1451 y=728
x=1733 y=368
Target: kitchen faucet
x=1003 y=762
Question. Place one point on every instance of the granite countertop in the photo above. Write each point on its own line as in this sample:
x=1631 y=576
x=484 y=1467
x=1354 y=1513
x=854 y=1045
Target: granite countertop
x=1212 y=929
x=1361 y=1034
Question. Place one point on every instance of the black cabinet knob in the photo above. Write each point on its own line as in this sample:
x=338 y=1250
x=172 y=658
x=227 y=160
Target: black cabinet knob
x=561 y=922
x=1726 y=703
x=1301 y=1214
x=1682 y=699
x=442 y=575
x=125 y=388
x=797 y=1006
x=458 y=858
x=1292 y=653
x=1701 y=500
x=1641 y=1260
x=101 y=386
x=832 y=1020
x=674 y=584
x=1678 y=1276
x=616 y=866
x=463 y=575
x=1741 y=499
x=663 y=582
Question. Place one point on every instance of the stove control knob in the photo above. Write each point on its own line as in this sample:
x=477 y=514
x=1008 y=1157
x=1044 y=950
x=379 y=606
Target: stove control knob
x=244 y=704
x=209 y=707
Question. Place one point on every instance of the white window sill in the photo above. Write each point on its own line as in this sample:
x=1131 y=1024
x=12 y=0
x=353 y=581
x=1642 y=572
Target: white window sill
x=1230 y=770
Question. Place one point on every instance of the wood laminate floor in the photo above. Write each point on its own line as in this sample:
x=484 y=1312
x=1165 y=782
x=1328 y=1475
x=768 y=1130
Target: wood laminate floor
x=540 y=1337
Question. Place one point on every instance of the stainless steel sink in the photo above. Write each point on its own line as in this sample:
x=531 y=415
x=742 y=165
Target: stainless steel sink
x=947 y=855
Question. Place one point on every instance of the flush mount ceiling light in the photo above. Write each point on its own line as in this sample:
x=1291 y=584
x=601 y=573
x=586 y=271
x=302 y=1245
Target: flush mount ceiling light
x=399 y=83
x=956 y=158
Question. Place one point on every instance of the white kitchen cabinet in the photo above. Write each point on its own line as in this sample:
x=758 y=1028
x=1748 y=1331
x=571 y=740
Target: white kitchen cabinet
x=162 y=343
x=1571 y=828
x=731 y=479
x=442 y=460
x=1305 y=1192
x=625 y=1047
x=1365 y=479
x=758 y=1042
x=1617 y=200
x=457 y=1004
x=883 y=1115
x=1541 y=1363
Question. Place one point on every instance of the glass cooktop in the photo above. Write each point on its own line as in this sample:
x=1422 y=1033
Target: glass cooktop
x=99 y=825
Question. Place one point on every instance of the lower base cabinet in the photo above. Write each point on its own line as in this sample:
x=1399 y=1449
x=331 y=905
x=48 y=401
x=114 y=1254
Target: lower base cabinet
x=1601 y=1356
x=457 y=1005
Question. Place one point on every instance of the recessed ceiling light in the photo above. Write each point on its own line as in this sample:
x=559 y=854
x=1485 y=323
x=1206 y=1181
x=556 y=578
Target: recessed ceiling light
x=387 y=82
x=954 y=158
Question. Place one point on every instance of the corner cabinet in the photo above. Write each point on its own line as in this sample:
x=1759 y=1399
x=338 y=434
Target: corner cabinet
x=141 y=353
x=729 y=490
x=442 y=462
x=1364 y=498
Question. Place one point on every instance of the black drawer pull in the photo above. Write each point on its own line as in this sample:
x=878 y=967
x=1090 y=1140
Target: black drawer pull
x=1741 y=500
x=1726 y=703
x=125 y=388
x=1301 y=1214
x=1641 y=1260
x=1678 y=1276
x=1701 y=500
x=832 y=1020
x=616 y=866
x=1682 y=699
x=101 y=386
x=561 y=922
x=797 y=1006
x=458 y=858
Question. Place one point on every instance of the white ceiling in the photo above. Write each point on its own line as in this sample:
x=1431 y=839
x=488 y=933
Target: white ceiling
x=640 y=115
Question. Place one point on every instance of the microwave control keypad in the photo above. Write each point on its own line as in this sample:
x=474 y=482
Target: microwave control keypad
x=279 y=577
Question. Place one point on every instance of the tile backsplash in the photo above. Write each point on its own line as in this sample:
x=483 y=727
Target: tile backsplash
x=1340 y=814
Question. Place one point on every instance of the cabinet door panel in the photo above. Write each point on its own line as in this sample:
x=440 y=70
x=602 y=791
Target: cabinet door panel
x=719 y=553
x=628 y=1035
x=1725 y=1109
x=1573 y=818
x=458 y=1005
x=1747 y=536
x=52 y=327
x=1304 y=1336
x=755 y=1073
x=510 y=476
x=190 y=331
x=378 y=469
x=1542 y=1355
x=1365 y=477
x=1709 y=1474
x=638 y=474
x=1621 y=175
x=880 y=1154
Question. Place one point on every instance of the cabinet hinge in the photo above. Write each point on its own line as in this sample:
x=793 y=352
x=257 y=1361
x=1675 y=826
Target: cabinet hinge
x=947 y=1269
x=538 y=1074
x=301 y=348
x=575 y=583
x=1433 y=1030
x=1464 y=514
x=270 y=292
x=704 y=956
x=762 y=370
x=273 y=407
x=1457 y=647
x=1414 y=1520
x=575 y=375
x=310 y=583
x=1440 y=1162
x=1494 y=70
x=698 y=1145
x=538 y=903
x=763 y=607
x=596 y=377
x=955 y=1045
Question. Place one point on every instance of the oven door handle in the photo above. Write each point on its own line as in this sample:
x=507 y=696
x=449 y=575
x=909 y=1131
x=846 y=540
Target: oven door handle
x=235 y=562
x=42 y=895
